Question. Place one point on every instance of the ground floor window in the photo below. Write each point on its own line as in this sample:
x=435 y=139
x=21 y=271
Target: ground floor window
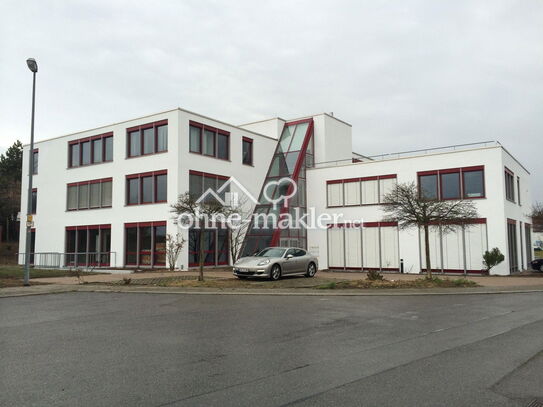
x=88 y=245
x=216 y=247
x=512 y=245
x=145 y=244
x=528 y=234
x=371 y=246
x=457 y=251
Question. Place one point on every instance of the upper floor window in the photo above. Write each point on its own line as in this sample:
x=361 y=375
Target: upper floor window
x=509 y=185
x=247 y=147
x=359 y=191
x=455 y=183
x=518 y=190
x=89 y=194
x=90 y=150
x=35 y=156
x=147 y=139
x=34 y=201
x=209 y=141
x=150 y=187
x=200 y=182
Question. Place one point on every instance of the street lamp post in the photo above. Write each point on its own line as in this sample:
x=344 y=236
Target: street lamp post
x=33 y=66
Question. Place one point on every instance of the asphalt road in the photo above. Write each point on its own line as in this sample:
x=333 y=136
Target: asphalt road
x=107 y=349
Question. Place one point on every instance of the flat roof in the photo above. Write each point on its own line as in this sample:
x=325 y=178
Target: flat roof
x=150 y=115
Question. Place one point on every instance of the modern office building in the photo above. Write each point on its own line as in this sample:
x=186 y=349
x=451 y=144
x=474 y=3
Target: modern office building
x=103 y=196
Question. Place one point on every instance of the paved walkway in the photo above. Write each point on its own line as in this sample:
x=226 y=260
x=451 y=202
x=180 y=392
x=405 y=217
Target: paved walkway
x=493 y=281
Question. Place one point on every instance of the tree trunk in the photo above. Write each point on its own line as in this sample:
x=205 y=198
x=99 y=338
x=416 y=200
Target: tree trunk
x=201 y=256
x=427 y=251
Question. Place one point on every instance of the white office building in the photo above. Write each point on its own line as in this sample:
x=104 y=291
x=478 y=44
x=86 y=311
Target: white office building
x=102 y=197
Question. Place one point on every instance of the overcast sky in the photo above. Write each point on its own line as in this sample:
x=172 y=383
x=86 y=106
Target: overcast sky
x=405 y=74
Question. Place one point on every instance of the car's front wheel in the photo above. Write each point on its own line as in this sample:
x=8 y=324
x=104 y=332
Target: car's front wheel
x=275 y=273
x=541 y=268
x=311 y=270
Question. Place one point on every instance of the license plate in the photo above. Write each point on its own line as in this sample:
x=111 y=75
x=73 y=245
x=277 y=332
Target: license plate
x=243 y=270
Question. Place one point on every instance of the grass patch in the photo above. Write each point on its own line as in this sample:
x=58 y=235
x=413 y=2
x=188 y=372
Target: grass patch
x=435 y=282
x=12 y=276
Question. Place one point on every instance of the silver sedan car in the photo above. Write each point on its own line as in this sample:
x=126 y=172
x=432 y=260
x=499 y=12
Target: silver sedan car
x=274 y=262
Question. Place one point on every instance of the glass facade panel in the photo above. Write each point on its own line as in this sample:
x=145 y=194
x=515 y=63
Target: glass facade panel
x=160 y=246
x=145 y=245
x=162 y=138
x=133 y=191
x=161 y=187
x=146 y=189
x=286 y=138
x=195 y=185
x=247 y=152
x=97 y=150
x=106 y=193
x=450 y=185
x=74 y=155
x=108 y=149
x=428 y=186
x=195 y=139
x=85 y=153
x=299 y=135
x=149 y=141
x=473 y=184
x=135 y=143
x=209 y=142
x=131 y=245
x=95 y=199
x=83 y=202
x=223 y=146
x=72 y=197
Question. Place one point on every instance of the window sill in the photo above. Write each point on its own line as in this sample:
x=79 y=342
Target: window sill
x=210 y=156
x=88 y=209
x=146 y=203
x=128 y=157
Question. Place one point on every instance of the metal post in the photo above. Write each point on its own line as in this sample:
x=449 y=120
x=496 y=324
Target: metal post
x=29 y=195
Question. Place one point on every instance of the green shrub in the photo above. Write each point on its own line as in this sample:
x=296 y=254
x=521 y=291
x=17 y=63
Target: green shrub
x=492 y=258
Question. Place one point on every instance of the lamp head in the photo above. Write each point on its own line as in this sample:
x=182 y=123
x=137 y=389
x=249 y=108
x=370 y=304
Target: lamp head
x=32 y=64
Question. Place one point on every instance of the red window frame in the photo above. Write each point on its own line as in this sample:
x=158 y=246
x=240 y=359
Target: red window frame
x=356 y=179
x=249 y=141
x=140 y=129
x=80 y=141
x=92 y=181
x=216 y=131
x=140 y=176
x=138 y=253
x=77 y=252
x=461 y=171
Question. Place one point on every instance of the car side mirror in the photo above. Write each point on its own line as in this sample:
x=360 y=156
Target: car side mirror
x=289 y=256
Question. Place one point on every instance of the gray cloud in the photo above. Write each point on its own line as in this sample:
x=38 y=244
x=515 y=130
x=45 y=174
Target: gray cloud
x=407 y=75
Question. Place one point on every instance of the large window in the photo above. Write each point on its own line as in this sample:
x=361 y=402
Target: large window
x=88 y=245
x=200 y=182
x=90 y=150
x=89 y=194
x=150 y=138
x=215 y=247
x=509 y=185
x=35 y=156
x=247 y=147
x=512 y=245
x=209 y=141
x=455 y=183
x=149 y=187
x=145 y=244
x=359 y=191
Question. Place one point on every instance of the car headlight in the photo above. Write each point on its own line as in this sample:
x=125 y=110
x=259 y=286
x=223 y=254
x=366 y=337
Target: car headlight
x=264 y=262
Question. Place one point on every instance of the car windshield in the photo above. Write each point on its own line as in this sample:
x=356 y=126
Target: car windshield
x=271 y=252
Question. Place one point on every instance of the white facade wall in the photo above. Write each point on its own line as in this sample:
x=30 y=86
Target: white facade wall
x=52 y=217
x=493 y=207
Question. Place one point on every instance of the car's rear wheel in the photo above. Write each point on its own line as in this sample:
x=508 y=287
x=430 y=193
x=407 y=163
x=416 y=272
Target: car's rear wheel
x=311 y=270
x=275 y=273
x=541 y=268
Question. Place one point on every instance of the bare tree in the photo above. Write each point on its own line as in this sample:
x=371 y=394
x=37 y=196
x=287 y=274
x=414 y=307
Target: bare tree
x=405 y=205
x=239 y=216
x=200 y=212
x=537 y=216
x=174 y=245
